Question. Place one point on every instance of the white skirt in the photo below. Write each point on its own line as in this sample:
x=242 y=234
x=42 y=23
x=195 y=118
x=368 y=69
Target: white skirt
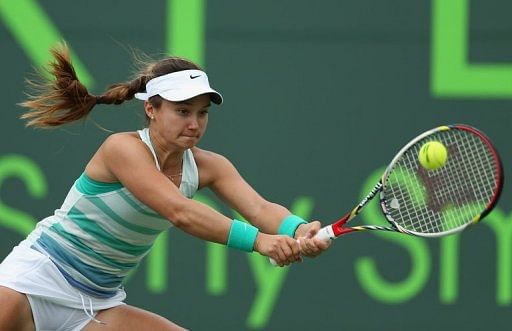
x=28 y=271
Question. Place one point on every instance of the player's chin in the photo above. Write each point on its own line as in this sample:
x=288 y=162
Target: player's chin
x=189 y=141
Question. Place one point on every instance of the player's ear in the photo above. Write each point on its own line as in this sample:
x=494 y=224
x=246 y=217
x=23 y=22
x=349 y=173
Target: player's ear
x=148 y=108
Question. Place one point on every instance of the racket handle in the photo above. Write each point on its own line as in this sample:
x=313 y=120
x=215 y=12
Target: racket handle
x=273 y=262
x=326 y=233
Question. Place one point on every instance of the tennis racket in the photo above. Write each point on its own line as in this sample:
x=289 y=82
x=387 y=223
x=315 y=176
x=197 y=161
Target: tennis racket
x=433 y=203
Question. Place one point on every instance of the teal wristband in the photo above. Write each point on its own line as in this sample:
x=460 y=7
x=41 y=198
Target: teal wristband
x=290 y=224
x=242 y=236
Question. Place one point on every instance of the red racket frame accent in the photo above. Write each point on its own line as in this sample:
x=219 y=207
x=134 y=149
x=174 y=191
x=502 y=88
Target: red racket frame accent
x=497 y=161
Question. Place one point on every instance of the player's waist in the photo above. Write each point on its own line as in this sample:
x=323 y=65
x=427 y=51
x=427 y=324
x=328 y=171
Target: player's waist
x=84 y=268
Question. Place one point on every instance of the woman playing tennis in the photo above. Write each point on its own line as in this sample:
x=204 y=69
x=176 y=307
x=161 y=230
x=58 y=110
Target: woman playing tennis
x=68 y=273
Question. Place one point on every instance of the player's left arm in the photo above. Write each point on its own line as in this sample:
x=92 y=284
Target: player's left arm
x=220 y=175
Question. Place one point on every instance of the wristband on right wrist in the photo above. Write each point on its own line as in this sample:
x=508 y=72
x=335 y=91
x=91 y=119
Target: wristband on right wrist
x=290 y=224
x=242 y=236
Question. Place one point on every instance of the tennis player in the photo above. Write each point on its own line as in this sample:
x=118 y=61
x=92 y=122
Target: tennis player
x=68 y=273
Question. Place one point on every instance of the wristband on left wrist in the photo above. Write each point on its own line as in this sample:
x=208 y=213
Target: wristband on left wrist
x=290 y=224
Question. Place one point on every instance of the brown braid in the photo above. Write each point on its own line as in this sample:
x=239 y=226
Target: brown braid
x=118 y=93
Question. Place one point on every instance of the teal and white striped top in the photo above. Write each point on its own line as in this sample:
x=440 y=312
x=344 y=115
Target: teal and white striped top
x=102 y=231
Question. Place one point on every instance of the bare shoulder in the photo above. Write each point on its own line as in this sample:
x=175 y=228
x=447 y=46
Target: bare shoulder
x=204 y=157
x=211 y=166
x=121 y=140
x=118 y=148
x=124 y=143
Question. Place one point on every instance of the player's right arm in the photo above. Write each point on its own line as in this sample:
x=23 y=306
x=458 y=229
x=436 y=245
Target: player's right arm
x=125 y=158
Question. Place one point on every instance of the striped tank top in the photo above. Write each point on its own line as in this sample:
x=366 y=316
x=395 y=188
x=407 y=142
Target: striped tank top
x=102 y=231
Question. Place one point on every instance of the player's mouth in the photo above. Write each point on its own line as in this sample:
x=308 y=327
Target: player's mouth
x=190 y=136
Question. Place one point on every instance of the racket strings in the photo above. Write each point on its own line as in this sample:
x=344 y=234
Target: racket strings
x=435 y=201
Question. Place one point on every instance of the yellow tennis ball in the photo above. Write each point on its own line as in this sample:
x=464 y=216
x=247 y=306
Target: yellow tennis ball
x=433 y=155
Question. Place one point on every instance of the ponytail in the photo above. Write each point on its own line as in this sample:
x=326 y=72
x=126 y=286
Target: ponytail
x=63 y=99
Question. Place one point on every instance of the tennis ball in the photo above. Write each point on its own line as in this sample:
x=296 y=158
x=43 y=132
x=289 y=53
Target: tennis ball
x=432 y=155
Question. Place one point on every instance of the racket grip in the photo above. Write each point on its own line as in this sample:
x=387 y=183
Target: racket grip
x=273 y=262
x=326 y=233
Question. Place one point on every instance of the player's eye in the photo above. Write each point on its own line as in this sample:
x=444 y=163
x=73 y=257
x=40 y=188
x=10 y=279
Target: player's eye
x=183 y=111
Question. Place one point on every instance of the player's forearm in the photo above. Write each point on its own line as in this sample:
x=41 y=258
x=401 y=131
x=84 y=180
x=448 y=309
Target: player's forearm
x=269 y=217
x=200 y=221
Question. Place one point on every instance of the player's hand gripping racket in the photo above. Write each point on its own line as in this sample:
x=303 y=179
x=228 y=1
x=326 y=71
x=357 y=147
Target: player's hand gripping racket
x=433 y=203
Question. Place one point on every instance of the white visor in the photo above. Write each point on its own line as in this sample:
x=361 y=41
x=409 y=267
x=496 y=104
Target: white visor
x=180 y=86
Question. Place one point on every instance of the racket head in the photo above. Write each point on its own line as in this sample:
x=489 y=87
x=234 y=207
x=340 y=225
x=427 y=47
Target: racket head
x=433 y=203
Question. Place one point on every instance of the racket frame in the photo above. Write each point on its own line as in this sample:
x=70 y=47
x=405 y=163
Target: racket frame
x=337 y=228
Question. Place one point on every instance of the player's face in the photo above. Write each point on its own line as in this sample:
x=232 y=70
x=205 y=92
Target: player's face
x=181 y=124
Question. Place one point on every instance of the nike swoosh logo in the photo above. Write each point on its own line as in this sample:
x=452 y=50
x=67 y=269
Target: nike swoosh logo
x=194 y=77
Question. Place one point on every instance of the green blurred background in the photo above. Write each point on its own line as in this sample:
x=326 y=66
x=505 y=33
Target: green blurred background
x=318 y=97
